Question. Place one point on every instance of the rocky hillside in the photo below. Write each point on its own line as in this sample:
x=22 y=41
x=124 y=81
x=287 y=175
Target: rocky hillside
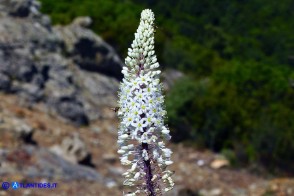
x=57 y=84
x=64 y=67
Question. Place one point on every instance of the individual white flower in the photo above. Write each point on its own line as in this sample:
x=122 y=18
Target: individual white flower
x=168 y=162
x=133 y=167
x=120 y=151
x=165 y=131
x=139 y=126
x=137 y=175
x=167 y=152
x=145 y=155
x=125 y=161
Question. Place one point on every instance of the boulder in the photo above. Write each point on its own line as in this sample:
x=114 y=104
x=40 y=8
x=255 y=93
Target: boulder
x=37 y=162
x=22 y=8
x=88 y=50
x=72 y=148
x=18 y=129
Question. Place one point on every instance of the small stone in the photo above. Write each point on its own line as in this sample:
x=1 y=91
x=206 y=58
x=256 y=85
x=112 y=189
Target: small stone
x=22 y=130
x=111 y=184
x=72 y=148
x=96 y=129
x=252 y=187
x=215 y=191
x=200 y=162
x=203 y=192
x=27 y=192
x=219 y=163
x=110 y=158
x=274 y=187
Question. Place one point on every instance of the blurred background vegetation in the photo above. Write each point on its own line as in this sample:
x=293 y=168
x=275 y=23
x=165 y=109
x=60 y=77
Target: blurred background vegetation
x=238 y=57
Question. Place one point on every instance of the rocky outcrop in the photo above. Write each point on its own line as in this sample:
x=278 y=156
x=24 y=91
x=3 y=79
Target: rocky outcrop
x=88 y=50
x=64 y=67
x=33 y=162
x=20 y=8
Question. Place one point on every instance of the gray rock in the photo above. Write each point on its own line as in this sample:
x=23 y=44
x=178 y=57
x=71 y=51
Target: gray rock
x=5 y=82
x=18 y=67
x=96 y=129
x=45 y=21
x=31 y=92
x=23 y=8
x=88 y=50
x=72 y=109
x=111 y=184
x=32 y=162
x=20 y=8
x=72 y=149
x=26 y=34
x=19 y=128
x=83 y=21
x=98 y=90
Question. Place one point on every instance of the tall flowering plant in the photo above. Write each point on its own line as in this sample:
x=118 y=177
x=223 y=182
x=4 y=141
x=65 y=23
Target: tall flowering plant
x=142 y=131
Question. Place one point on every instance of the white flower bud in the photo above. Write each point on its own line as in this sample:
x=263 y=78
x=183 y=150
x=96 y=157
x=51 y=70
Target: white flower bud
x=165 y=176
x=154 y=66
x=133 y=167
x=165 y=131
x=167 y=152
x=124 y=148
x=145 y=155
x=125 y=162
x=121 y=151
x=124 y=136
x=137 y=175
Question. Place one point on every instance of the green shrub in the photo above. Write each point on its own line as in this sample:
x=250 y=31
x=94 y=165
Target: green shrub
x=194 y=59
x=245 y=107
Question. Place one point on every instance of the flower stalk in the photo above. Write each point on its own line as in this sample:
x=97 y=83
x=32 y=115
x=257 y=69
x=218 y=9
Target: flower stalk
x=142 y=132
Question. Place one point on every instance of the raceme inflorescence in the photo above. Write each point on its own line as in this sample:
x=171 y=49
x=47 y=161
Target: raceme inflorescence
x=142 y=131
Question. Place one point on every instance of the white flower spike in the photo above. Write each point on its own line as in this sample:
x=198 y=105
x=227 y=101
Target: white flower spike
x=142 y=131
